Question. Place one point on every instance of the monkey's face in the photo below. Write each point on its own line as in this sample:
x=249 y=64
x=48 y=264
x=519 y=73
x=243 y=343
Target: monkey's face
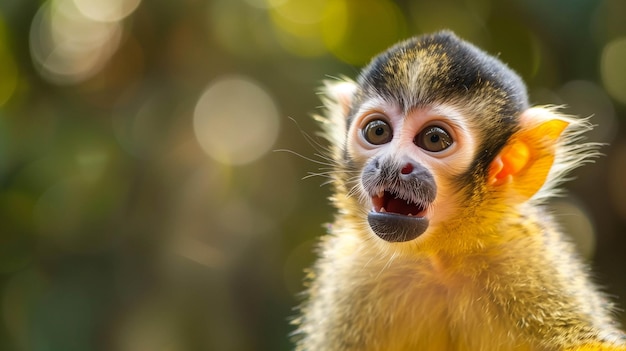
x=409 y=161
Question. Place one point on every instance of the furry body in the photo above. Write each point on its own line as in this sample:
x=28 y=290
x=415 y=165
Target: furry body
x=492 y=271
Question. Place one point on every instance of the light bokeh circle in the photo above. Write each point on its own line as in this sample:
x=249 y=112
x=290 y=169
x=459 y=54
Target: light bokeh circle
x=235 y=120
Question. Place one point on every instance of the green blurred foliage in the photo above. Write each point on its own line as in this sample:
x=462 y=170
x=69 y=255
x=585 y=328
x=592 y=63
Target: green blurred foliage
x=118 y=231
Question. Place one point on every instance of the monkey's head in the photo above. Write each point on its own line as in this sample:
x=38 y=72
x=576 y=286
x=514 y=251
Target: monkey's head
x=436 y=135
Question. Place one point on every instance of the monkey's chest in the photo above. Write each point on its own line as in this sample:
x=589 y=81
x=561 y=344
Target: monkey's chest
x=405 y=309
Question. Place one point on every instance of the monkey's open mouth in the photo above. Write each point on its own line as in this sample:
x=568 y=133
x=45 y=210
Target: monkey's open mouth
x=396 y=219
x=391 y=203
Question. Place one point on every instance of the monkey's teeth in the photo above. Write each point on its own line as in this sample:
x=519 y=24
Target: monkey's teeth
x=382 y=209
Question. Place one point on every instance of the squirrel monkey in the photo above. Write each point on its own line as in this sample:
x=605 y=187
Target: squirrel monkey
x=440 y=239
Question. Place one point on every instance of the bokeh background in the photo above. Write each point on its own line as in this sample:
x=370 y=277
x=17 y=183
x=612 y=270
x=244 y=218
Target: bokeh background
x=143 y=205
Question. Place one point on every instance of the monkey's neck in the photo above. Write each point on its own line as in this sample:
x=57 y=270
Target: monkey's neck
x=477 y=243
x=490 y=233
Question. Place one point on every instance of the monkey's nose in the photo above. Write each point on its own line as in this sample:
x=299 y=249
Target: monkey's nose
x=407 y=169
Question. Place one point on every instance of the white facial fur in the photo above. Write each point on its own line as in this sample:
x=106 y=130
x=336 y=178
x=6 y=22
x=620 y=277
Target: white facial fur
x=444 y=165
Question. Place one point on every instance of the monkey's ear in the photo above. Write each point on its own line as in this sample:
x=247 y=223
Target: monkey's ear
x=525 y=161
x=337 y=98
x=341 y=93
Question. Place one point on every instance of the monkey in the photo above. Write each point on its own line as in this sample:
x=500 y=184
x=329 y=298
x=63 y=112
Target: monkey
x=441 y=238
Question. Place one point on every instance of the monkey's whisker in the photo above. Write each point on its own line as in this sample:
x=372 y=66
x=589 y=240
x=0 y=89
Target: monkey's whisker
x=302 y=156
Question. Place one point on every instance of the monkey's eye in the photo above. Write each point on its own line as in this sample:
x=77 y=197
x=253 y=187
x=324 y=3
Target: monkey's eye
x=377 y=132
x=433 y=138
